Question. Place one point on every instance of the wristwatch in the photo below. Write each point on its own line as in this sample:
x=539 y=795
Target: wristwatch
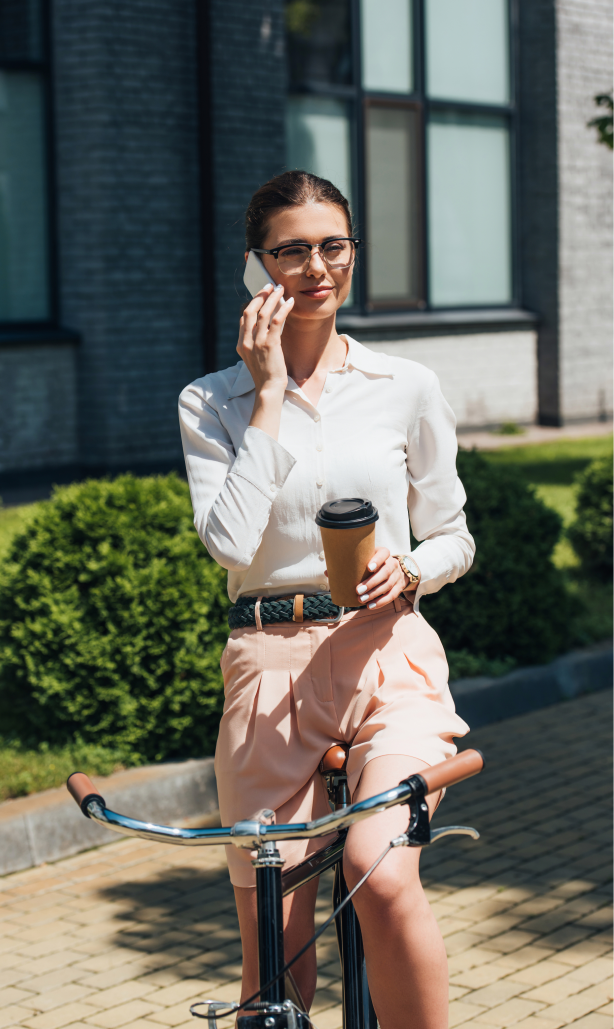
x=409 y=566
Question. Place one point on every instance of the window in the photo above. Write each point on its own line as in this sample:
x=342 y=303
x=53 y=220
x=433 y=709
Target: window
x=406 y=105
x=24 y=280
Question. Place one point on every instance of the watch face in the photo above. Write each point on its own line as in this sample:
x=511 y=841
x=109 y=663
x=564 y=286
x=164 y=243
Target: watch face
x=411 y=565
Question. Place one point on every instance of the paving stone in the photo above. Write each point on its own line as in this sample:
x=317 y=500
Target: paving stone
x=143 y=929
x=123 y=1014
x=59 y=1017
x=542 y=972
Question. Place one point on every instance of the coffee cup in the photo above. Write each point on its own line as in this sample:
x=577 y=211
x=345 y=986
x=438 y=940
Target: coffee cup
x=348 y=536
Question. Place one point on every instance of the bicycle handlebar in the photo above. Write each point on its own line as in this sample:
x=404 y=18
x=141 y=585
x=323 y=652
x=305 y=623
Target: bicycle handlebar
x=250 y=834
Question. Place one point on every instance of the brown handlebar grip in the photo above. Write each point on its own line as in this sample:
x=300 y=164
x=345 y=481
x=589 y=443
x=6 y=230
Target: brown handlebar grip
x=82 y=789
x=454 y=770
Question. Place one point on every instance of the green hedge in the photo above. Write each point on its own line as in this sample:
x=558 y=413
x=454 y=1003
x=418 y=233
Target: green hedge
x=513 y=603
x=112 y=623
x=591 y=532
x=113 y=617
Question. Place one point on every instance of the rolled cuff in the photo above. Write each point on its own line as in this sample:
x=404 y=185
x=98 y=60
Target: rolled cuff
x=263 y=461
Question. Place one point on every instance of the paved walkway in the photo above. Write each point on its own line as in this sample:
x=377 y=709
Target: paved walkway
x=130 y=934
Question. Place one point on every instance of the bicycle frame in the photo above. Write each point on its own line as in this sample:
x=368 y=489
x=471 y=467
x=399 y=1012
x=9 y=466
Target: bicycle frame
x=274 y=1011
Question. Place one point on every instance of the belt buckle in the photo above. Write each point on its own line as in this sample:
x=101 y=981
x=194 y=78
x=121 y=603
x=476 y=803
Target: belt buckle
x=328 y=621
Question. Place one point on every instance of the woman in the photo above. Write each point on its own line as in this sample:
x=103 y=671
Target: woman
x=307 y=417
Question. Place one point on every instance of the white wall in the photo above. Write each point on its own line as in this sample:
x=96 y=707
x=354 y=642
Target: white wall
x=584 y=68
x=487 y=378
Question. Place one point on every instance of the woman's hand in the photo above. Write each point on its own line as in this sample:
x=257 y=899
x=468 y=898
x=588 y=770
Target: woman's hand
x=259 y=347
x=260 y=342
x=386 y=583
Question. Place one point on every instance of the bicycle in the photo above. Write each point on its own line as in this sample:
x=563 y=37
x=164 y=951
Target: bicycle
x=280 y=1005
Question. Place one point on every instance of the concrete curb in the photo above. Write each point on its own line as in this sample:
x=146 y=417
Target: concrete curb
x=484 y=700
x=49 y=826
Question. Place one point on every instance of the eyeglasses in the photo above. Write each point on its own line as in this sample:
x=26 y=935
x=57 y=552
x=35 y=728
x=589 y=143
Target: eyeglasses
x=294 y=258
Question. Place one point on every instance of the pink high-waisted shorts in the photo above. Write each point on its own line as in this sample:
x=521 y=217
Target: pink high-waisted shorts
x=377 y=680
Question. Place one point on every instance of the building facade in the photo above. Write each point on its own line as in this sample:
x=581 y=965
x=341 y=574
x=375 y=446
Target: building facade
x=133 y=135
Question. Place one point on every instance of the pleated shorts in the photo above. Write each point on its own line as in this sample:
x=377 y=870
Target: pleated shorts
x=377 y=680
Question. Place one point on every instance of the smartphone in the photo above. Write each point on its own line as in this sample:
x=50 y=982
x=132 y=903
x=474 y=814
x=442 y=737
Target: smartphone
x=255 y=275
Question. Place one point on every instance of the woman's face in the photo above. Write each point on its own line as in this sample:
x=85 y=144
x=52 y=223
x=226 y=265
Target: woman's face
x=319 y=291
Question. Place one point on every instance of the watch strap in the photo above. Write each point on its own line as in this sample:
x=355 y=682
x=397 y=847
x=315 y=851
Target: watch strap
x=402 y=559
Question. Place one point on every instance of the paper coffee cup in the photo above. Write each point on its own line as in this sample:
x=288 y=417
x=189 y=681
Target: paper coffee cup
x=348 y=536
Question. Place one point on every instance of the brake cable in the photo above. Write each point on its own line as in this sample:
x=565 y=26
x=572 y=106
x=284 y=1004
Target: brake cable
x=299 y=953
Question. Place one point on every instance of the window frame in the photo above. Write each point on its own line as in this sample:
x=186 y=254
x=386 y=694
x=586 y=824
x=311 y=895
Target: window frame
x=43 y=68
x=360 y=99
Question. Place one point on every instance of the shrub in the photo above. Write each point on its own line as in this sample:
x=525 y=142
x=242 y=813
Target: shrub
x=591 y=532
x=512 y=603
x=112 y=623
x=24 y=771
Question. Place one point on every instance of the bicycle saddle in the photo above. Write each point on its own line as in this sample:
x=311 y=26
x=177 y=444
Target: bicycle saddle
x=335 y=759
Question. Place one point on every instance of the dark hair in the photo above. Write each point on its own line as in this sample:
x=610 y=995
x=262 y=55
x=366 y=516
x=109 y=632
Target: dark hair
x=290 y=189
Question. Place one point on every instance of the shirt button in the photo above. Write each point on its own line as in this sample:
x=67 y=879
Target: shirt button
x=324 y=586
x=319 y=484
x=328 y=389
x=319 y=447
x=273 y=487
x=321 y=555
x=316 y=417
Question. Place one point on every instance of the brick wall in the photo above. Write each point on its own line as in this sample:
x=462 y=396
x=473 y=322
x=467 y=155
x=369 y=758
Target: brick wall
x=128 y=211
x=248 y=138
x=487 y=378
x=37 y=407
x=584 y=53
x=538 y=207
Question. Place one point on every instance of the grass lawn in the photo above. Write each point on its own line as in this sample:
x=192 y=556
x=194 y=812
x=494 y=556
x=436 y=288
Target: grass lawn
x=551 y=468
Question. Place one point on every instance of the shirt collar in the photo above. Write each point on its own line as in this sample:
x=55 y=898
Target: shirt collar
x=365 y=360
x=359 y=357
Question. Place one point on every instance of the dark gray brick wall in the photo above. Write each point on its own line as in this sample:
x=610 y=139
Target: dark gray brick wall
x=126 y=103
x=584 y=48
x=538 y=190
x=38 y=407
x=248 y=138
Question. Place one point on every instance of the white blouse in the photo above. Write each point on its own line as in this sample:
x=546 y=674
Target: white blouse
x=381 y=430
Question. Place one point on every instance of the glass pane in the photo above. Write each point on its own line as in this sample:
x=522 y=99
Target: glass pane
x=469 y=210
x=318 y=36
x=387 y=45
x=318 y=139
x=393 y=242
x=20 y=30
x=467 y=50
x=23 y=236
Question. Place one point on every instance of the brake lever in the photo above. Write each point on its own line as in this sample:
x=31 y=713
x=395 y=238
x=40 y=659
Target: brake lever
x=419 y=832
x=454 y=830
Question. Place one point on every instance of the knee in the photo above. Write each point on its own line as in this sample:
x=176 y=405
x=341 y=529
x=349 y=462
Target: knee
x=385 y=885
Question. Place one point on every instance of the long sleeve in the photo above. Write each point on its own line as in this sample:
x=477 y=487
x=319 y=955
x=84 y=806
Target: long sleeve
x=232 y=494
x=436 y=496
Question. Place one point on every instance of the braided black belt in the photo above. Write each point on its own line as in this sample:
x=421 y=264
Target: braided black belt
x=317 y=607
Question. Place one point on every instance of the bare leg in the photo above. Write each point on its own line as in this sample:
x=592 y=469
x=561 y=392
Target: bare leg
x=298 y=928
x=404 y=950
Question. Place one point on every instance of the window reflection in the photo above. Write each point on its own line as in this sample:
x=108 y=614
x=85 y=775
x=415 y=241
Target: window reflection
x=318 y=139
x=469 y=210
x=318 y=35
x=386 y=34
x=467 y=51
x=392 y=209
x=20 y=30
x=23 y=236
